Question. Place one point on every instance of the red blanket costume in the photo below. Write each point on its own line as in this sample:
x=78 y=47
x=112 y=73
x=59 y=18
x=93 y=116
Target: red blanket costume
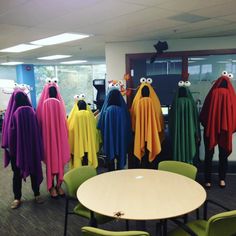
x=218 y=114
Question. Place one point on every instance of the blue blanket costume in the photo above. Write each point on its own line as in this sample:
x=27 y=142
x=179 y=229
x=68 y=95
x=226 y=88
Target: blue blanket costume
x=115 y=125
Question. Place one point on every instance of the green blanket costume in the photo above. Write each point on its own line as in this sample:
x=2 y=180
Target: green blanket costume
x=184 y=126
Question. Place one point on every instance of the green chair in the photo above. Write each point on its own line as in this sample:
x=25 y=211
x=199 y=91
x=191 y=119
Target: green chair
x=72 y=180
x=222 y=224
x=179 y=167
x=91 y=231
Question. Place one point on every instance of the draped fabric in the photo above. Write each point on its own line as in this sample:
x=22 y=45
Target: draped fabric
x=184 y=126
x=218 y=114
x=115 y=126
x=11 y=108
x=55 y=139
x=45 y=95
x=83 y=138
x=147 y=123
x=25 y=143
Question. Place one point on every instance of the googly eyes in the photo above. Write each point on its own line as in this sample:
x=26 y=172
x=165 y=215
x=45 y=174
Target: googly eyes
x=181 y=83
x=149 y=80
x=143 y=80
x=48 y=80
x=52 y=80
x=76 y=97
x=187 y=83
x=55 y=80
x=184 y=83
x=230 y=75
x=224 y=73
x=82 y=96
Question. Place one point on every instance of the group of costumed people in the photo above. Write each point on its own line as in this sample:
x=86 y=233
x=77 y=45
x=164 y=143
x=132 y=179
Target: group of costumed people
x=29 y=137
x=218 y=118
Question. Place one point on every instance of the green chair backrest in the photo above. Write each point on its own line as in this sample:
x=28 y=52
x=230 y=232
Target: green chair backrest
x=91 y=231
x=179 y=167
x=75 y=177
x=222 y=224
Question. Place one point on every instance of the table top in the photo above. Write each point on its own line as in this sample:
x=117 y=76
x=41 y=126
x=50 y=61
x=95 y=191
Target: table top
x=141 y=194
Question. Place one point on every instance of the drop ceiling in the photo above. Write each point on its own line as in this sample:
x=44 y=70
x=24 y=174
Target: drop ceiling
x=23 y=21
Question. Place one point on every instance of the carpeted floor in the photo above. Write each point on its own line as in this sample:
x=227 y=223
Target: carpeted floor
x=48 y=219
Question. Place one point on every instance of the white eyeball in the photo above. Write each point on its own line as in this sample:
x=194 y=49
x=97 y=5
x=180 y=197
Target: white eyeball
x=48 y=80
x=230 y=75
x=82 y=96
x=181 y=83
x=76 y=97
x=149 y=80
x=55 y=80
x=111 y=85
x=224 y=73
x=187 y=83
x=16 y=85
x=143 y=80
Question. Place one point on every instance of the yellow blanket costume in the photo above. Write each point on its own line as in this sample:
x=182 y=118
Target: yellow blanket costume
x=147 y=123
x=83 y=137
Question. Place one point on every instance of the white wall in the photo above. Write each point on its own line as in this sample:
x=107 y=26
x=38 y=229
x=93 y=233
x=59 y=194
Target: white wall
x=115 y=58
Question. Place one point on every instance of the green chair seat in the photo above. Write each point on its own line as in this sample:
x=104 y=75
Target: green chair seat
x=85 y=212
x=197 y=226
x=222 y=224
x=91 y=231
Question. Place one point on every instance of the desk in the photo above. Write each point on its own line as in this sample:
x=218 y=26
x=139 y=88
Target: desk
x=141 y=194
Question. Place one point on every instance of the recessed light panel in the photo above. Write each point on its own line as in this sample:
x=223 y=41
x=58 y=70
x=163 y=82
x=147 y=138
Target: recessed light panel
x=54 y=57
x=61 y=38
x=21 y=48
x=11 y=63
x=73 y=62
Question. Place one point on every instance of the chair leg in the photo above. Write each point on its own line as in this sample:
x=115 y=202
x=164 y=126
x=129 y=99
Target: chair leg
x=66 y=216
x=159 y=229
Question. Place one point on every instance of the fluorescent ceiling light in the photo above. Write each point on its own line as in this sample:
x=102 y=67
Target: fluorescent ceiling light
x=12 y=63
x=73 y=62
x=197 y=59
x=54 y=57
x=61 y=38
x=21 y=48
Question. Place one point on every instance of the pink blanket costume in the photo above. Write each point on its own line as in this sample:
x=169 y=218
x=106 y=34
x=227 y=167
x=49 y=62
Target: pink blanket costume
x=52 y=117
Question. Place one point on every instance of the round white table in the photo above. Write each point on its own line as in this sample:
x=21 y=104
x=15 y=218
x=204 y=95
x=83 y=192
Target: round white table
x=141 y=194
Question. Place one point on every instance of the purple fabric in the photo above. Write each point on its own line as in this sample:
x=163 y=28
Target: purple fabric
x=6 y=125
x=25 y=143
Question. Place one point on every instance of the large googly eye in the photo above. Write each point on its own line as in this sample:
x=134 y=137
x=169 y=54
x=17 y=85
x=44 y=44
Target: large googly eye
x=230 y=75
x=149 y=80
x=82 y=96
x=117 y=85
x=76 y=97
x=224 y=73
x=48 y=80
x=110 y=85
x=181 y=83
x=187 y=83
x=143 y=80
x=55 y=80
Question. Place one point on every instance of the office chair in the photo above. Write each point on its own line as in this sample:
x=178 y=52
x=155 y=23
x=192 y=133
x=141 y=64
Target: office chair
x=91 y=231
x=73 y=179
x=222 y=224
x=179 y=167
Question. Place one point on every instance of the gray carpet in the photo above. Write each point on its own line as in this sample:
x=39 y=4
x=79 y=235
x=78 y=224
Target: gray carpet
x=48 y=219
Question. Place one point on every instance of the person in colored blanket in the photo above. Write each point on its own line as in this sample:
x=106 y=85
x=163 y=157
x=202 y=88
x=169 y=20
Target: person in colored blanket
x=218 y=117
